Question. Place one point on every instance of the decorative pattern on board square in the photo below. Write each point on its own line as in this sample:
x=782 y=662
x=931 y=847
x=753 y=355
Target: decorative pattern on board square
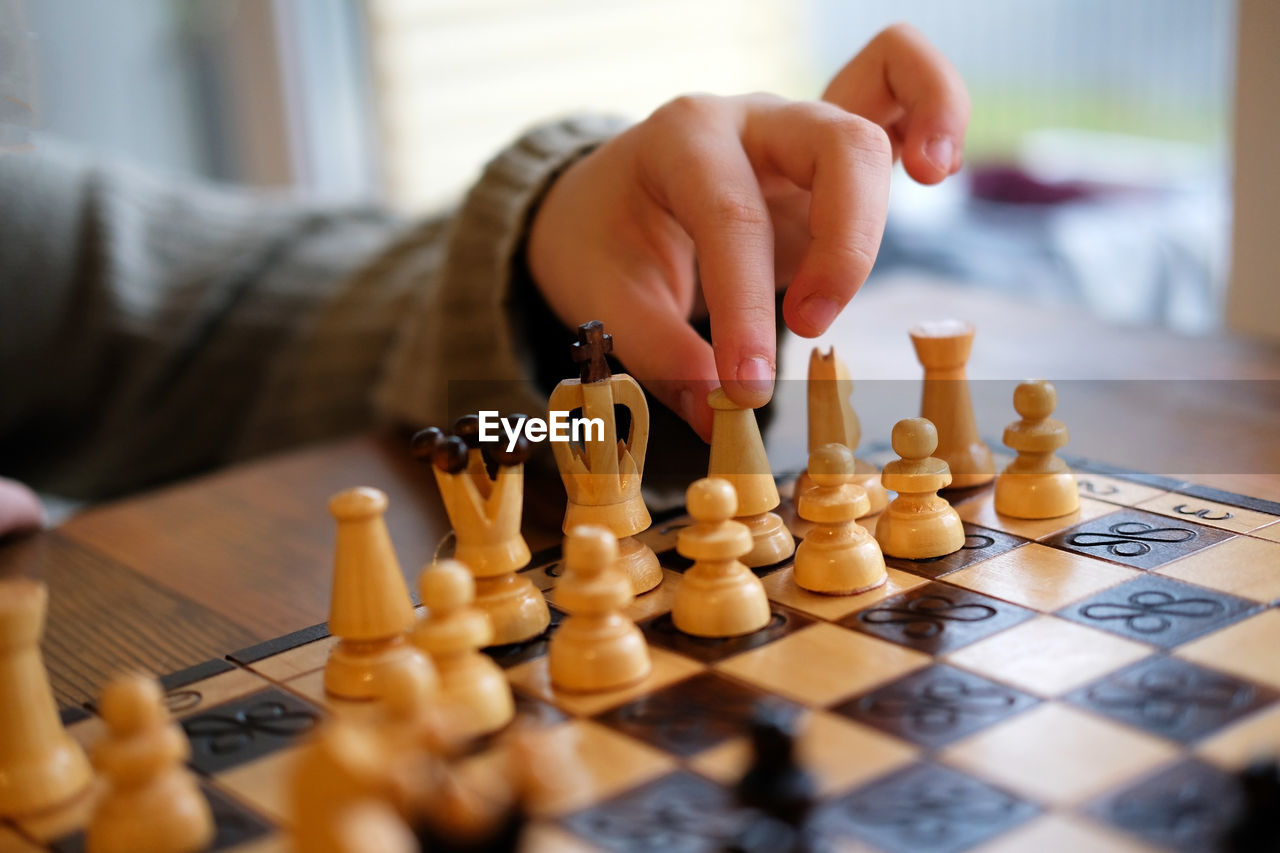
x=980 y=543
x=1159 y=610
x=1139 y=539
x=1172 y=698
x=661 y=631
x=925 y=808
x=677 y=813
x=937 y=618
x=690 y=715
x=247 y=728
x=937 y=705
x=1188 y=806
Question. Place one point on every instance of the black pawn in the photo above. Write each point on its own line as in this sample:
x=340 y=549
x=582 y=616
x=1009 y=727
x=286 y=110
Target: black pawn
x=776 y=786
x=1257 y=826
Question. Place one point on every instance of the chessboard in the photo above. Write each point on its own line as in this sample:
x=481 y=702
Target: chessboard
x=1091 y=682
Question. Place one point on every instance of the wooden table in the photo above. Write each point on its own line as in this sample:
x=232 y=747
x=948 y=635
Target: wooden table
x=173 y=577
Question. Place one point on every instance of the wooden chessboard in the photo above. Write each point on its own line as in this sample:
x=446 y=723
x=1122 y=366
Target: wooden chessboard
x=1089 y=682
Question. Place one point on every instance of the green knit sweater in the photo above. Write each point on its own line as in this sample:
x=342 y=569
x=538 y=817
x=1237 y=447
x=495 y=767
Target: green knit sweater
x=151 y=329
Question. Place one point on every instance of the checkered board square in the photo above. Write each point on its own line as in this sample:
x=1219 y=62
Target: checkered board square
x=1090 y=682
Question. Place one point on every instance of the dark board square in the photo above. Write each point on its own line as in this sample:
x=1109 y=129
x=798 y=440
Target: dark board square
x=924 y=808
x=1141 y=540
x=270 y=648
x=662 y=631
x=937 y=618
x=247 y=728
x=1172 y=698
x=511 y=654
x=72 y=714
x=936 y=705
x=689 y=716
x=1159 y=610
x=233 y=823
x=1187 y=806
x=980 y=544
x=677 y=813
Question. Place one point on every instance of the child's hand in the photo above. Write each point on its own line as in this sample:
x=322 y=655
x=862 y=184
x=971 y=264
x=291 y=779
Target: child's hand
x=716 y=202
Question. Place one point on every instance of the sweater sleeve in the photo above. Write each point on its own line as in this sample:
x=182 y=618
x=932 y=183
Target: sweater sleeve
x=478 y=337
x=151 y=329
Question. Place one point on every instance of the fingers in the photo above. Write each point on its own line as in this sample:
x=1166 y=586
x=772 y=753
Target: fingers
x=700 y=173
x=661 y=350
x=845 y=161
x=903 y=83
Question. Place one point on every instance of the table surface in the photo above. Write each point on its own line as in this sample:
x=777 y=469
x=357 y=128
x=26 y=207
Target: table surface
x=176 y=576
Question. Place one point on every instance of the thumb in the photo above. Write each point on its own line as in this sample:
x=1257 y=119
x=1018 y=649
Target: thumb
x=20 y=509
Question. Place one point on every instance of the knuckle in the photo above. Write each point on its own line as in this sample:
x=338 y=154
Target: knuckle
x=737 y=211
x=845 y=131
x=688 y=111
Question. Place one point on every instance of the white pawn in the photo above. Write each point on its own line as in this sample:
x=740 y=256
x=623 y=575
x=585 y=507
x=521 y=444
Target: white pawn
x=918 y=524
x=718 y=596
x=369 y=607
x=341 y=790
x=1037 y=484
x=596 y=648
x=153 y=801
x=838 y=557
x=452 y=633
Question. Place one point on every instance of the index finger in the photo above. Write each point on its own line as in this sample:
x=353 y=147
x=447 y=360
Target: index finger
x=709 y=186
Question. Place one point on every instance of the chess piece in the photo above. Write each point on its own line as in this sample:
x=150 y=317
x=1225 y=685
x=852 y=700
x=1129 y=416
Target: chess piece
x=918 y=524
x=1036 y=484
x=596 y=648
x=485 y=513
x=737 y=456
x=602 y=476
x=41 y=767
x=369 y=607
x=340 y=794
x=832 y=420
x=153 y=801
x=452 y=633
x=943 y=349
x=838 y=557
x=1255 y=828
x=718 y=595
x=776 y=786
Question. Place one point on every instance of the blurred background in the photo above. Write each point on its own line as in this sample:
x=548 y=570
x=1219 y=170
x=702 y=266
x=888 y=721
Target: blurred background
x=1098 y=172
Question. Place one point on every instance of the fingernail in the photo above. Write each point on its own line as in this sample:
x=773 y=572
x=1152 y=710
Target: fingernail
x=756 y=373
x=940 y=152
x=686 y=405
x=818 y=311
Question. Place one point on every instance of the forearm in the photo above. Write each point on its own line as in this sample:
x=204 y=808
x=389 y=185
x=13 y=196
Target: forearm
x=144 y=322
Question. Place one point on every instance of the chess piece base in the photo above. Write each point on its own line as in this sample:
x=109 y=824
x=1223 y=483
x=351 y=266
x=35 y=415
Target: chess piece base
x=1037 y=495
x=607 y=654
x=771 y=541
x=918 y=534
x=63 y=819
x=637 y=561
x=839 y=562
x=970 y=466
x=720 y=601
x=515 y=607
x=177 y=818
x=354 y=666
x=479 y=686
